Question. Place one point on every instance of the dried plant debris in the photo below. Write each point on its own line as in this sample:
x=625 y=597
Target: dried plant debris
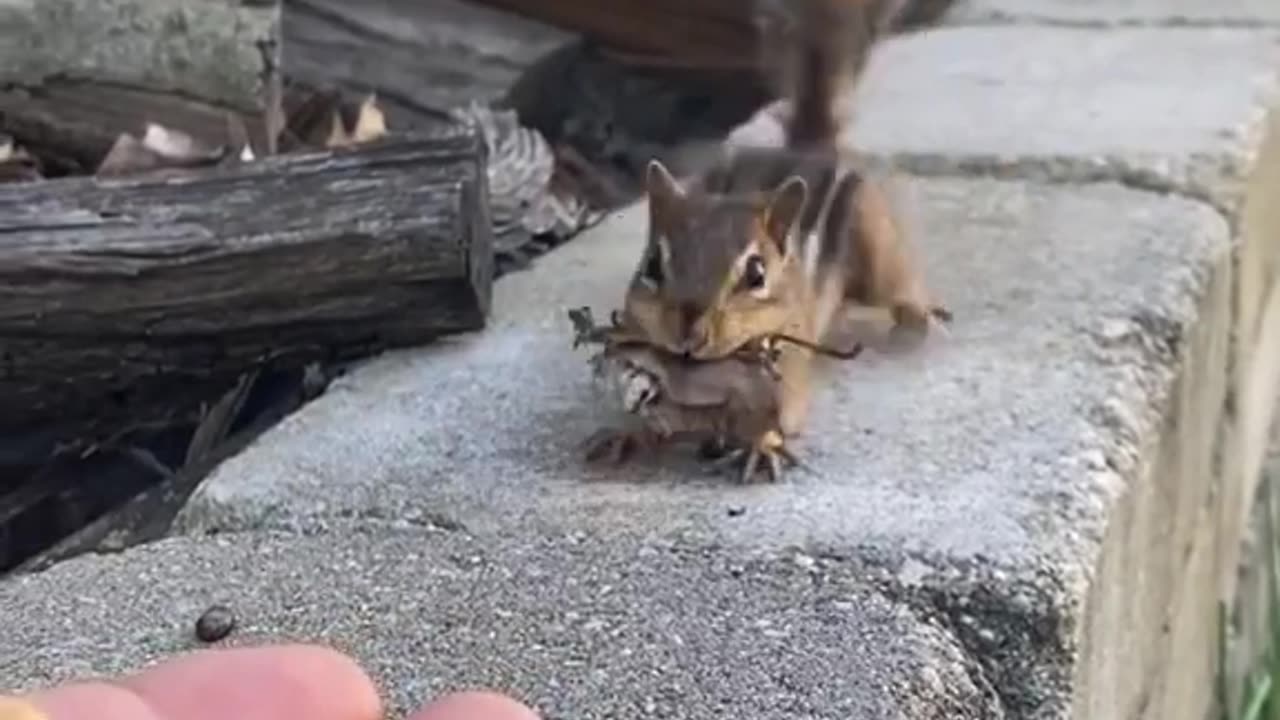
x=527 y=198
x=16 y=164
x=160 y=148
x=728 y=403
x=326 y=118
x=318 y=120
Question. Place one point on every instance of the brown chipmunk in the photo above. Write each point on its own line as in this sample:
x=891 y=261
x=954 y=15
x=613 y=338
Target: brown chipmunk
x=777 y=240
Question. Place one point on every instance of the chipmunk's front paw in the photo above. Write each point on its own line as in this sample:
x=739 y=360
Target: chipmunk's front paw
x=769 y=453
x=616 y=446
x=913 y=324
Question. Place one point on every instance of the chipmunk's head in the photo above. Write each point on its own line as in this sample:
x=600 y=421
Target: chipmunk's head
x=717 y=271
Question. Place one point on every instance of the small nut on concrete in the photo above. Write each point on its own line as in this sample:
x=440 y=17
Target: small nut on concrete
x=215 y=624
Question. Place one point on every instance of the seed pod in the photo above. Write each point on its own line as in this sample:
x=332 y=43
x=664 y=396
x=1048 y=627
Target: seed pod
x=215 y=624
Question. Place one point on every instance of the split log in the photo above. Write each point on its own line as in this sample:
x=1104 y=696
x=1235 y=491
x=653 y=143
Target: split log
x=116 y=294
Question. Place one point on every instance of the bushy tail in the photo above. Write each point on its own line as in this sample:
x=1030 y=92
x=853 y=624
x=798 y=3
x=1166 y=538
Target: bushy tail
x=816 y=50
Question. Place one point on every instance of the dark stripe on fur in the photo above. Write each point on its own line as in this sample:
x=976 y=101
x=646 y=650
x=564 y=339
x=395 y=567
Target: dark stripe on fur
x=835 y=249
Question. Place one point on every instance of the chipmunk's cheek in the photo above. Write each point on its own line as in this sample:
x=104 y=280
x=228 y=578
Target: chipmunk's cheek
x=706 y=337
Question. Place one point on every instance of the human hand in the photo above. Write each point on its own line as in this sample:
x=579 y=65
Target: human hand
x=286 y=682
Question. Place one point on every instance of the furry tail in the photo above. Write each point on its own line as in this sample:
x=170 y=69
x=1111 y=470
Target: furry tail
x=815 y=51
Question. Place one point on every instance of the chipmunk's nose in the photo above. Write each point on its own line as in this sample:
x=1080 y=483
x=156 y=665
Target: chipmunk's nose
x=693 y=335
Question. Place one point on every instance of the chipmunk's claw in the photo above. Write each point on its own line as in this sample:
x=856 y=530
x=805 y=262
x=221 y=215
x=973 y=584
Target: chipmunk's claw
x=615 y=446
x=769 y=450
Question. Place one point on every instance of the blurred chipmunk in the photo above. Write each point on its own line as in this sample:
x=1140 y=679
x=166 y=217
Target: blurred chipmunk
x=775 y=241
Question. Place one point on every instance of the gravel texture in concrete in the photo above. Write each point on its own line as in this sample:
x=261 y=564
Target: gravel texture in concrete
x=579 y=627
x=1075 y=104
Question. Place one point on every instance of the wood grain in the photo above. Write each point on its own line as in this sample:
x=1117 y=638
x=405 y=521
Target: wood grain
x=117 y=293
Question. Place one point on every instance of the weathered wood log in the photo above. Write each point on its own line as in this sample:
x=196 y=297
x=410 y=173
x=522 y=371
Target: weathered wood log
x=116 y=294
x=424 y=58
x=707 y=34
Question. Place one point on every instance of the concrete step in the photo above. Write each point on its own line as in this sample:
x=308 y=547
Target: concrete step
x=583 y=627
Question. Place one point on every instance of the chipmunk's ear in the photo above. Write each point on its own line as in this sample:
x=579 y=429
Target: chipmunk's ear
x=784 y=209
x=665 y=193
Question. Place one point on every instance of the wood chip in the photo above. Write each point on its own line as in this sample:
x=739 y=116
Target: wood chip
x=16 y=165
x=159 y=148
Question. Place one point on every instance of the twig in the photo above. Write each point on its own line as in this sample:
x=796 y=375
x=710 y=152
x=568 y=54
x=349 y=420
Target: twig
x=587 y=332
x=217 y=420
x=148 y=460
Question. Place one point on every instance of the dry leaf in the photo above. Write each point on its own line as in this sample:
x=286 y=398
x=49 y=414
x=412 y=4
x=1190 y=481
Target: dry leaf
x=238 y=144
x=324 y=119
x=175 y=145
x=161 y=148
x=128 y=155
x=16 y=165
x=354 y=124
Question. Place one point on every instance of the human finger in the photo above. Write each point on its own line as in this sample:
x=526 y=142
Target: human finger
x=261 y=683
x=474 y=705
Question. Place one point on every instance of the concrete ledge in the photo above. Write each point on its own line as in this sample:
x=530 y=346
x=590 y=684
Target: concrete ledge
x=579 y=626
x=1075 y=105
x=981 y=474
x=1117 y=13
x=206 y=48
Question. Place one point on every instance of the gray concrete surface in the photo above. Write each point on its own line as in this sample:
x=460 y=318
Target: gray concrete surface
x=208 y=48
x=484 y=429
x=991 y=444
x=580 y=627
x=1074 y=104
x=1113 y=13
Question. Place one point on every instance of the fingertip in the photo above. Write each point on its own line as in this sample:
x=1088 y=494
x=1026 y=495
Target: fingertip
x=274 y=681
x=15 y=708
x=98 y=700
x=475 y=705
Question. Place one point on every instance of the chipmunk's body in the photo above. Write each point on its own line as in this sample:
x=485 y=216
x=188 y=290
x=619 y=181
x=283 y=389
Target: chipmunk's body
x=777 y=240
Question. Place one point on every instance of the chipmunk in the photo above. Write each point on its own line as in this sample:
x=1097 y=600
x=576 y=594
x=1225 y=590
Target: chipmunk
x=777 y=240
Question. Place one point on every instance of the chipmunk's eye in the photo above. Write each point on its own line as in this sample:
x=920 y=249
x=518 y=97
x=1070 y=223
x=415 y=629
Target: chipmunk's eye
x=653 y=269
x=753 y=273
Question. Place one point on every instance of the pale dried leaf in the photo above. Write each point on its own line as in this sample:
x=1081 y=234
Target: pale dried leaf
x=160 y=149
x=128 y=155
x=238 y=144
x=178 y=146
x=217 y=420
x=353 y=125
x=16 y=165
